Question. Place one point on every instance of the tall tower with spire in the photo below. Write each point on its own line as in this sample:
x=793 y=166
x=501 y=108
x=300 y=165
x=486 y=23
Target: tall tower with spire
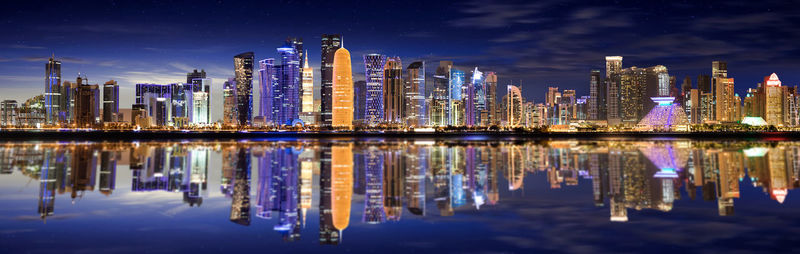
x=307 y=97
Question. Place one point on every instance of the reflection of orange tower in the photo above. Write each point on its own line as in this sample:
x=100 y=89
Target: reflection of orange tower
x=342 y=185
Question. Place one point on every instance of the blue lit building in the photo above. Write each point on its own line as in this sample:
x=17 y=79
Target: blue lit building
x=479 y=92
x=456 y=85
x=266 y=71
x=374 y=63
x=289 y=78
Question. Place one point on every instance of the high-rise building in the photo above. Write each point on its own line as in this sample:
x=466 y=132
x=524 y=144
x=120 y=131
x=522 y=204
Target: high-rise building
x=195 y=75
x=342 y=114
x=552 y=96
x=657 y=84
x=440 y=101
x=774 y=95
x=415 y=95
x=267 y=81
x=8 y=113
x=297 y=44
x=596 y=103
x=111 y=101
x=201 y=87
x=476 y=99
x=491 y=99
x=85 y=109
x=725 y=100
x=374 y=74
x=52 y=91
x=181 y=104
x=330 y=43
x=230 y=110
x=307 y=97
x=514 y=107
x=243 y=70
x=359 y=100
x=286 y=95
x=456 y=110
x=393 y=106
x=613 y=65
x=704 y=83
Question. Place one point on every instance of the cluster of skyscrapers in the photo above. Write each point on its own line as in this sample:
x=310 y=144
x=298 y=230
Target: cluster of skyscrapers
x=649 y=99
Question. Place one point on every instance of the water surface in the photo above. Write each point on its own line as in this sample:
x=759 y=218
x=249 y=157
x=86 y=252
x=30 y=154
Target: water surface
x=396 y=195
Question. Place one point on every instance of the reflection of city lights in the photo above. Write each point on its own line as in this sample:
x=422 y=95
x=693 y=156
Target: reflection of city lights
x=755 y=152
x=666 y=173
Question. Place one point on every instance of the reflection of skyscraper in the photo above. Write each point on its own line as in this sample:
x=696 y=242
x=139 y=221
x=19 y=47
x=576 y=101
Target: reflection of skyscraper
x=416 y=165
x=341 y=185
x=327 y=233
x=373 y=199
x=47 y=184
x=84 y=164
x=441 y=167
x=393 y=179
x=240 y=203
x=108 y=172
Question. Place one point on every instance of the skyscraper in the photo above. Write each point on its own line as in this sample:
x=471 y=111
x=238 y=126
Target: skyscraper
x=374 y=73
x=111 y=101
x=359 y=100
x=297 y=44
x=85 y=109
x=307 y=97
x=597 y=96
x=342 y=115
x=286 y=96
x=773 y=100
x=440 y=102
x=726 y=103
x=415 y=95
x=491 y=98
x=330 y=43
x=267 y=81
x=456 y=110
x=393 y=106
x=52 y=91
x=704 y=83
x=476 y=99
x=613 y=65
x=514 y=106
x=195 y=75
x=243 y=70
x=613 y=84
x=230 y=110
x=201 y=89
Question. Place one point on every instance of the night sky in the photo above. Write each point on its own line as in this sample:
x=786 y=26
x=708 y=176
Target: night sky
x=539 y=43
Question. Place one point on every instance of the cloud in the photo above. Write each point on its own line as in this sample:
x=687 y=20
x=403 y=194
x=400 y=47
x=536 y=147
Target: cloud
x=514 y=37
x=483 y=14
x=22 y=46
x=45 y=59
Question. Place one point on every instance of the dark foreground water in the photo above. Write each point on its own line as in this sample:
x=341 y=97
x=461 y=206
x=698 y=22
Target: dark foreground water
x=392 y=196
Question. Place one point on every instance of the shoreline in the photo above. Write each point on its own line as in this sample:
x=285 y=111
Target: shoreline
x=31 y=135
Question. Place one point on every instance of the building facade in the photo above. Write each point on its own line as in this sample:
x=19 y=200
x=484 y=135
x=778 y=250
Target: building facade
x=342 y=115
x=374 y=74
x=393 y=92
x=243 y=70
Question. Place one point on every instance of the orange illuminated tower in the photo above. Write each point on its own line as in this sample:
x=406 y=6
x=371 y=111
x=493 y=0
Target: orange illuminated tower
x=341 y=179
x=342 y=90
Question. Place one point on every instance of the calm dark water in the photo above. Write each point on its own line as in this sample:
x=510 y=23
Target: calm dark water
x=451 y=196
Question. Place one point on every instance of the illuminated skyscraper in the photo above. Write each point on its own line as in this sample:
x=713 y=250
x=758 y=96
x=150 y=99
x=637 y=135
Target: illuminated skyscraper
x=201 y=87
x=297 y=44
x=286 y=96
x=726 y=103
x=477 y=92
x=243 y=68
x=52 y=91
x=514 y=106
x=393 y=94
x=342 y=90
x=374 y=63
x=230 y=110
x=86 y=104
x=341 y=183
x=267 y=81
x=308 y=87
x=415 y=95
x=8 y=113
x=456 y=107
x=359 y=100
x=111 y=101
x=440 y=103
x=330 y=44
x=773 y=100
x=597 y=96
x=491 y=99
x=613 y=84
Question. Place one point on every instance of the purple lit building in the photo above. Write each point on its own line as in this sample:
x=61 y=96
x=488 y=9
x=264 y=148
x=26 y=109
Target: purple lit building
x=374 y=63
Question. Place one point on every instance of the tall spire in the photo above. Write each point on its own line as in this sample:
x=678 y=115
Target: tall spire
x=305 y=62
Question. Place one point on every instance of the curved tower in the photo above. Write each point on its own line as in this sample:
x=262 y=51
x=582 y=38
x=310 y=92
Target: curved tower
x=373 y=65
x=342 y=90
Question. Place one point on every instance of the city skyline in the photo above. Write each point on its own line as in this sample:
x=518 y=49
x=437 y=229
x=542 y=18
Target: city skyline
x=513 y=50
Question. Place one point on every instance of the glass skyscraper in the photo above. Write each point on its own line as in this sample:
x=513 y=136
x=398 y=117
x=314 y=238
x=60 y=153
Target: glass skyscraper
x=393 y=91
x=111 y=101
x=373 y=64
x=415 y=95
x=267 y=82
x=330 y=43
x=243 y=69
x=52 y=91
